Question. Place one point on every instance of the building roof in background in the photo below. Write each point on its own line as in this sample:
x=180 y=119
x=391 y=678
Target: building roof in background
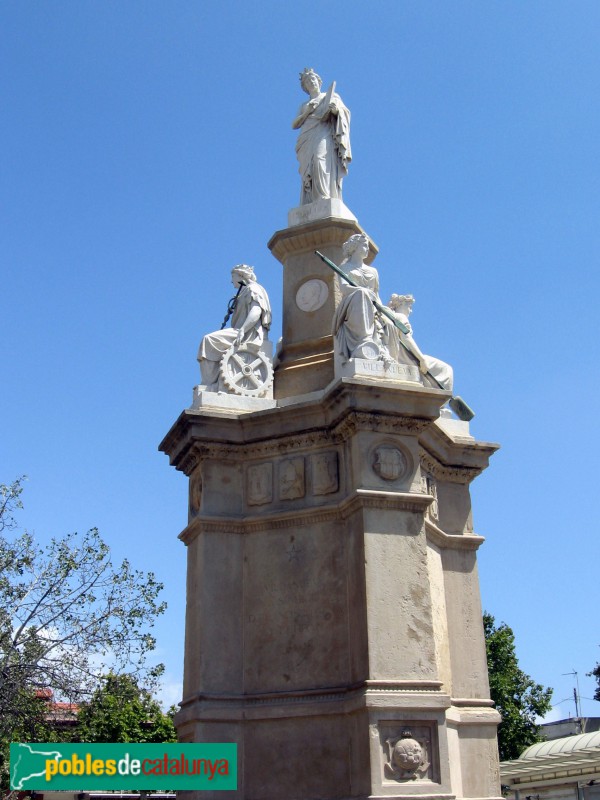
x=567 y=744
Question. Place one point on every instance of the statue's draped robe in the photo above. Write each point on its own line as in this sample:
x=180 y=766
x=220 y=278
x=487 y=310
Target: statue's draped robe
x=355 y=321
x=323 y=150
x=442 y=372
x=214 y=345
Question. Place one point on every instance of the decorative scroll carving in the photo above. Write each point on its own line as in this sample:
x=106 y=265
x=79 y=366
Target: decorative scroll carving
x=447 y=473
x=339 y=433
x=381 y=423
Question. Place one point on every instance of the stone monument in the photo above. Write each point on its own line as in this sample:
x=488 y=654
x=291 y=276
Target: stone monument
x=333 y=625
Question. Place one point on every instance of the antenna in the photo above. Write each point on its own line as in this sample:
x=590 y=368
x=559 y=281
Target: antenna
x=576 y=694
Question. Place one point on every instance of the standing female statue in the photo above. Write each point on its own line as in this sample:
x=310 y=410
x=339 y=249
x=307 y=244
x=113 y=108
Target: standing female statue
x=323 y=146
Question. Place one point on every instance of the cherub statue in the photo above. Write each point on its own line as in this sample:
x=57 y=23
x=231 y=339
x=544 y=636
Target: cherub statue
x=401 y=305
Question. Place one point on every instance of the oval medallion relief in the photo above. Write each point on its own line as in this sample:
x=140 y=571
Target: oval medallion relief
x=312 y=295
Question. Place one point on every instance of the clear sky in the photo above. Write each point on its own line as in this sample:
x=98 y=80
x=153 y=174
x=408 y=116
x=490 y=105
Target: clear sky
x=147 y=147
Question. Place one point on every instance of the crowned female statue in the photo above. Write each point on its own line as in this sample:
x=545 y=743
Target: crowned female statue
x=250 y=323
x=323 y=146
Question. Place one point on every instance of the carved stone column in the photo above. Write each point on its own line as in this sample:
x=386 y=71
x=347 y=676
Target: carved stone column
x=310 y=296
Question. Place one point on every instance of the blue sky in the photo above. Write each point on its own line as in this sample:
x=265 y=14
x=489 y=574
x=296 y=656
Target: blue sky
x=147 y=148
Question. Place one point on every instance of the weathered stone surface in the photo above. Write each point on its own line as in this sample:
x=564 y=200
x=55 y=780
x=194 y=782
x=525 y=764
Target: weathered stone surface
x=333 y=624
x=333 y=601
x=305 y=361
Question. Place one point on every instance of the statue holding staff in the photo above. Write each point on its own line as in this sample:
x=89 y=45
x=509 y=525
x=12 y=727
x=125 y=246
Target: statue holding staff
x=360 y=330
x=381 y=332
x=323 y=146
x=250 y=323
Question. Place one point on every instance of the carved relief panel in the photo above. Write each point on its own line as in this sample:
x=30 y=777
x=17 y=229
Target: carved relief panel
x=259 y=484
x=429 y=486
x=390 y=462
x=325 y=473
x=291 y=478
x=195 y=493
x=409 y=752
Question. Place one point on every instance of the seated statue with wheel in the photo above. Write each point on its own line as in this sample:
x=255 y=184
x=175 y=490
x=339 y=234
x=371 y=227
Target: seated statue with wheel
x=237 y=359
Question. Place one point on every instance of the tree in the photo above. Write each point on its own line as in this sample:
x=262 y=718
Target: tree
x=519 y=700
x=67 y=616
x=595 y=673
x=119 y=711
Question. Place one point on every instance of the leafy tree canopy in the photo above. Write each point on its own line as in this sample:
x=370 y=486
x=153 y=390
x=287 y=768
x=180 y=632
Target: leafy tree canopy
x=67 y=616
x=596 y=674
x=119 y=711
x=519 y=700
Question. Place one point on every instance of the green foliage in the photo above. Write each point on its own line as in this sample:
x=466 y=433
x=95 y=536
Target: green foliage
x=10 y=501
x=517 y=697
x=67 y=616
x=119 y=711
x=596 y=674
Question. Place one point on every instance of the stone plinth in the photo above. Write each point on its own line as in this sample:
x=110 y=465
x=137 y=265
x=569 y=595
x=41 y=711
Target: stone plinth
x=333 y=622
x=310 y=295
x=320 y=209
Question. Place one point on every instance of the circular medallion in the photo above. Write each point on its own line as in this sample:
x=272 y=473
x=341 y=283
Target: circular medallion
x=407 y=755
x=389 y=463
x=312 y=295
x=368 y=350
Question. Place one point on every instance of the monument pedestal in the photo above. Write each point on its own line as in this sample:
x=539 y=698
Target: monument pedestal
x=310 y=295
x=333 y=622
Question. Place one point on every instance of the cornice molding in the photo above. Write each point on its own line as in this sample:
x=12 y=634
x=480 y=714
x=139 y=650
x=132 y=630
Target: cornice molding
x=452 y=541
x=446 y=472
x=281 y=520
x=319 y=233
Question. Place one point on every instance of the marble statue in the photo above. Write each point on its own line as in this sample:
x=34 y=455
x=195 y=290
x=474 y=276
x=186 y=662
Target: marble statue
x=401 y=305
x=323 y=146
x=232 y=359
x=359 y=330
